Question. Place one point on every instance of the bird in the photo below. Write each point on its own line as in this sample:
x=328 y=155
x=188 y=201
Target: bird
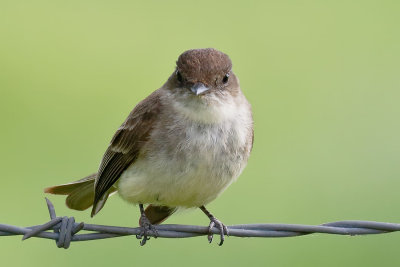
x=179 y=148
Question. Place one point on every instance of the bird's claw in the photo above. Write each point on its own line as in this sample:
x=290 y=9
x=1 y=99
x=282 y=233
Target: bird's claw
x=147 y=228
x=223 y=230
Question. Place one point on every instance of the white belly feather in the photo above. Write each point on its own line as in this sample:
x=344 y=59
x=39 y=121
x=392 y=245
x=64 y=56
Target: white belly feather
x=199 y=160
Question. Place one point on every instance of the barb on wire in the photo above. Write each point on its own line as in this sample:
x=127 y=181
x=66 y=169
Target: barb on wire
x=65 y=229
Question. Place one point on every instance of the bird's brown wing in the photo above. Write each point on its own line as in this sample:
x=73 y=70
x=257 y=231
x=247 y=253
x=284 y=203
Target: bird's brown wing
x=125 y=147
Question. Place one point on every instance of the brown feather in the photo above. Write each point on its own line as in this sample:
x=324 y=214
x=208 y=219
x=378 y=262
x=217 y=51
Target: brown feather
x=158 y=214
x=65 y=189
x=203 y=65
x=80 y=193
x=125 y=146
x=81 y=198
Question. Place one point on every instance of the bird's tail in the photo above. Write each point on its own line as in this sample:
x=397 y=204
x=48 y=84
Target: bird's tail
x=80 y=196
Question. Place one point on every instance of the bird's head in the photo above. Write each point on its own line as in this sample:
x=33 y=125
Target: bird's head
x=203 y=85
x=204 y=73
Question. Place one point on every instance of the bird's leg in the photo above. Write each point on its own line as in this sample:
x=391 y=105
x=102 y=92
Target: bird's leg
x=146 y=227
x=217 y=223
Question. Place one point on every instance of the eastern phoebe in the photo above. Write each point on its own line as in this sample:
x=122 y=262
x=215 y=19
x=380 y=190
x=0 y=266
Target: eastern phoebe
x=180 y=147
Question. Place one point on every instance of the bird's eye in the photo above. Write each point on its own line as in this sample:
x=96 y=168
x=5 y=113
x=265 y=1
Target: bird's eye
x=226 y=78
x=179 y=76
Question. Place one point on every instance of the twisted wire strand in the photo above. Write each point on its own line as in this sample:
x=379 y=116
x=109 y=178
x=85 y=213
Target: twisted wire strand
x=64 y=230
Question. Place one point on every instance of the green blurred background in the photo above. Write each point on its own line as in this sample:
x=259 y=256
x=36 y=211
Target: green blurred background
x=322 y=77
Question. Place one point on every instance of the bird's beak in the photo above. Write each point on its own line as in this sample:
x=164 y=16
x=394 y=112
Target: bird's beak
x=199 y=88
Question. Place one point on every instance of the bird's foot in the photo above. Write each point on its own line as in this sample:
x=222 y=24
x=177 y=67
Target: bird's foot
x=223 y=230
x=147 y=228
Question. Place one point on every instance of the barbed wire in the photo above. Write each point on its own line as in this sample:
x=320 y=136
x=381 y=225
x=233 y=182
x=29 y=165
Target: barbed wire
x=65 y=229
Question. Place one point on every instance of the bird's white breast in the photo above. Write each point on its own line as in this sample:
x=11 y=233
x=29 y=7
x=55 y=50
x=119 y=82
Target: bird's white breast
x=191 y=157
